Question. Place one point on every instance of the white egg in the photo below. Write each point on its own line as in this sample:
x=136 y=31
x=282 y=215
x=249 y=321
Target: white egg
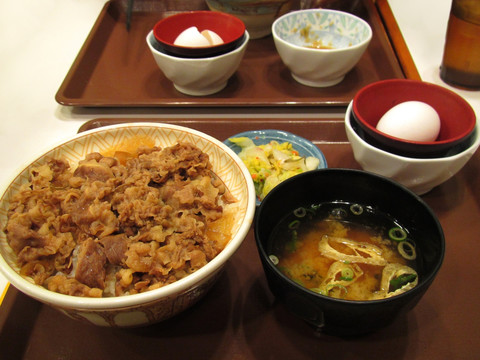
x=191 y=37
x=411 y=120
x=212 y=37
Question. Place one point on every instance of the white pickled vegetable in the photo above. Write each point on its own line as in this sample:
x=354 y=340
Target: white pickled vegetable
x=272 y=163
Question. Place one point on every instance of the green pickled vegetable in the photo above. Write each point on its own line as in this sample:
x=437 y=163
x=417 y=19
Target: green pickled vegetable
x=401 y=281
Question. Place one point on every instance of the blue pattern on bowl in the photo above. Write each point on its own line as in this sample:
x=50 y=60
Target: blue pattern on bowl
x=336 y=29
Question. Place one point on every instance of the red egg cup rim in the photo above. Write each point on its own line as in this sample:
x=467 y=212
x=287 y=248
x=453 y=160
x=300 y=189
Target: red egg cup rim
x=448 y=92
x=235 y=19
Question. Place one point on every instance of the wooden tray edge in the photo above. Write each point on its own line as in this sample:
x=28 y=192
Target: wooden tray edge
x=380 y=7
x=398 y=42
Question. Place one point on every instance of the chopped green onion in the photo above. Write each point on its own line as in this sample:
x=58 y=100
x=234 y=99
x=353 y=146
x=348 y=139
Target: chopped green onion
x=347 y=274
x=401 y=281
x=274 y=259
x=356 y=209
x=397 y=234
x=407 y=250
x=300 y=212
x=294 y=224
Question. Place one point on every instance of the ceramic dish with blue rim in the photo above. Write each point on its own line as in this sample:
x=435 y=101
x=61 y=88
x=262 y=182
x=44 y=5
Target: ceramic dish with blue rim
x=304 y=147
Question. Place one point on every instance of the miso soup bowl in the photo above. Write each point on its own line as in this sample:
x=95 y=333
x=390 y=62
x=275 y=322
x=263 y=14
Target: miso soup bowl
x=347 y=317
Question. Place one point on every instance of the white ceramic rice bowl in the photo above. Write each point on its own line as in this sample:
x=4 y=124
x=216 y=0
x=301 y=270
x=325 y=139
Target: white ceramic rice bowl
x=155 y=305
x=346 y=34
x=418 y=174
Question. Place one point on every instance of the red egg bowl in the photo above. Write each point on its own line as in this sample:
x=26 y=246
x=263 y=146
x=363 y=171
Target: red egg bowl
x=230 y=28
x=457 y=117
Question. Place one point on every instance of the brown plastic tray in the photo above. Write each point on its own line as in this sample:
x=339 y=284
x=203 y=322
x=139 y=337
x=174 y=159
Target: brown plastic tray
x=115 y=68
x=240 y=319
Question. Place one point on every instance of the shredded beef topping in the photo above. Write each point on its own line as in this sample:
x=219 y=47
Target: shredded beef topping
x=119 y=225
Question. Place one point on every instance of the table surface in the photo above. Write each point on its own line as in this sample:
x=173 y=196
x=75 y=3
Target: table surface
x=40 y=40
x=240 y=319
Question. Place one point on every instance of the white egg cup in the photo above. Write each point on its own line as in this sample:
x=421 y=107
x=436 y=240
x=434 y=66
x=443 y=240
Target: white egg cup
x=199 y=76
x=418 y=174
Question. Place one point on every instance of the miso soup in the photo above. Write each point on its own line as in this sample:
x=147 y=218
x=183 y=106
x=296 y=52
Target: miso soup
x=347 y=251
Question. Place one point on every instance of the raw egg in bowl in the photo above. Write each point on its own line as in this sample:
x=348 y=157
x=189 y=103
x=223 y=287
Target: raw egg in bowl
x=414 y=118
x=198 y=33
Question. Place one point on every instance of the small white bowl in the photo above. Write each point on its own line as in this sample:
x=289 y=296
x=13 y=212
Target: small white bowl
x=346 y=36
x=199 y=76
x=154 y=305
x=419 y=175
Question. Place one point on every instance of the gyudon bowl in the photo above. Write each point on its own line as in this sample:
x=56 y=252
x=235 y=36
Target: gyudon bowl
x=155 y=209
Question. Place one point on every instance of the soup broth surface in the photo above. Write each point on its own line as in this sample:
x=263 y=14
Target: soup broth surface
x=346 y=251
